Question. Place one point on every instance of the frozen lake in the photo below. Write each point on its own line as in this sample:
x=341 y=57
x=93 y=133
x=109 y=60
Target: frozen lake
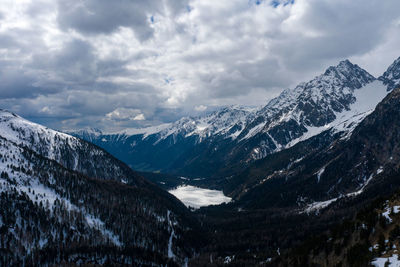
x=199 y=197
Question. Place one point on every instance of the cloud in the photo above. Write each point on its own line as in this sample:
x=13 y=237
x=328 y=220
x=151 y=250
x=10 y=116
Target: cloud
x=139 y=117
x=105 y=17
x=200 y=108
x=131 y=63
x=125 y=114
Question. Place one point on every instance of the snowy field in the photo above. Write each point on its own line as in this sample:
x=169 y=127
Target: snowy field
x=197 y=197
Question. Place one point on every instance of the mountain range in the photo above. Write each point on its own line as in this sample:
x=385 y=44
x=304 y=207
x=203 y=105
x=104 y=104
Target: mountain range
x=222 y=143
x=319 y=162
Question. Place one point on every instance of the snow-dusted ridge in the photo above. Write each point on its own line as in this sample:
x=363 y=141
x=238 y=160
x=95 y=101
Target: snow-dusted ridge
x=39 y=138
x=218 y=123
x=71 y=152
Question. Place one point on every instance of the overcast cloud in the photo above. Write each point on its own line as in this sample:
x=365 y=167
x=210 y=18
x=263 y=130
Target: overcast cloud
x=131 y=63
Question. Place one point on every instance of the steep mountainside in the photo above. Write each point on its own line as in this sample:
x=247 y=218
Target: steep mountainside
x=327 y=171
x=225 y=141
x=65 y=200
x=292 y=195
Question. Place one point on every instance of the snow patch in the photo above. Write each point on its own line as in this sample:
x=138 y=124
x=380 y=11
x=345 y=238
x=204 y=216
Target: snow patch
x=320 y=172
x=391 y=261
x=319 y=205
x=170 y=224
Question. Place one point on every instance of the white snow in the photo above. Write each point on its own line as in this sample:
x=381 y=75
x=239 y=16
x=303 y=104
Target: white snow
x=320 y=172
x=253 y=131
x=396 y=209
x=393 y=261
x=387 y=210
x=228 y=259
x=196 y=197
x=144 y=131
x=362 y=187
x=319 y=205
x=99 y=225
x=386 y=214
x=170 y=224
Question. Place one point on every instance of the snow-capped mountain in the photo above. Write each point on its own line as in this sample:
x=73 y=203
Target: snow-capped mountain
x=317 y=172
x=303 y=190
x=391 y=77
x=328 y=100
x=210 y=146
x=65 y=198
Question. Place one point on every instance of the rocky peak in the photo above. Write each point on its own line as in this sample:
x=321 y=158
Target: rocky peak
x=349 y=74
x=332 y=83
x=391 y=77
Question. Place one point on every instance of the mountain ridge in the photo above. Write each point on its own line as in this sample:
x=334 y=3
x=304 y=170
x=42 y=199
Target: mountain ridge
x=79 y=190
x=195 y=148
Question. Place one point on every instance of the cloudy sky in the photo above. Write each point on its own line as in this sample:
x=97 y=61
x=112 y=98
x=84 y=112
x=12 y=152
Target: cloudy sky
x=130 y=63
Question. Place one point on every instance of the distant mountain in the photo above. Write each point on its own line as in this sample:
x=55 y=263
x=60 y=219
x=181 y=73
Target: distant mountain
x=224 y=142
x=170 y=146
x=66 y=201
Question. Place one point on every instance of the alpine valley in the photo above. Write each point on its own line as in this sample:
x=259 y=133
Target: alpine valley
x=314 y=177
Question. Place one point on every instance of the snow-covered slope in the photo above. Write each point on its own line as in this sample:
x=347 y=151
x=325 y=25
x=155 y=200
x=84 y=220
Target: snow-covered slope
x=71 y=152
x=59 y=189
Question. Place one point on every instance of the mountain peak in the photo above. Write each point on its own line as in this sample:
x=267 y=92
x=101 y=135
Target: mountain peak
x=391 y=77
x=4 y=112
x=346 y=62
x=348 y=69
